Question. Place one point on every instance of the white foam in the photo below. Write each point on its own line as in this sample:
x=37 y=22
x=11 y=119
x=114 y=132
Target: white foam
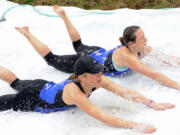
x=162 y=30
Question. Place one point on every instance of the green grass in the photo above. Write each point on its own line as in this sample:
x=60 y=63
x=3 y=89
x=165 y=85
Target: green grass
x=106 y=4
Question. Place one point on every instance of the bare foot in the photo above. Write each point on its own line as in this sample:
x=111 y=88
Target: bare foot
x=59 y=11
x=23 y=30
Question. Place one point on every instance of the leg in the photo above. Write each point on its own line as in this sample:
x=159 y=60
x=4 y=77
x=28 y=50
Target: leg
x=26 y=100
x=63 y=63
x=23 y=85
x=6 y=102
x=28 y=93
x=41 y=48
x=79 y=47
x=73 y=33
x=6 y=75
x=19 y=85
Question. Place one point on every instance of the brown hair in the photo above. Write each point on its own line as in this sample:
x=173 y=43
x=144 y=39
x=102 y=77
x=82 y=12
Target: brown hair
x=73 y=76
x=128 y=35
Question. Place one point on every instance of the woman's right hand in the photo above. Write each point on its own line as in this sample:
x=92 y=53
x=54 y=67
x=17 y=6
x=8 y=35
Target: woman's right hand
x=145 y=128
x=161 y=106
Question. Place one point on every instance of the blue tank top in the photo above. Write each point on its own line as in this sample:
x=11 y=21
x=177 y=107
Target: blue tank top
x=101 y=56
x=48 y=95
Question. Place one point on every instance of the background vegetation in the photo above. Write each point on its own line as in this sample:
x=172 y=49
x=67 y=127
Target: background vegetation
x=106 y=4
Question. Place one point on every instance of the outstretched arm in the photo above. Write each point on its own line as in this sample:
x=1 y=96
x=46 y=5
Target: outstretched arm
x=135 y=64
x=133 y=95
x=81 y=100
x=165 y=58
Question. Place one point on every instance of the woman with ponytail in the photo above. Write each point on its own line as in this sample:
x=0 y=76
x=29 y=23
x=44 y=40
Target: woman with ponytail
x=118 y=61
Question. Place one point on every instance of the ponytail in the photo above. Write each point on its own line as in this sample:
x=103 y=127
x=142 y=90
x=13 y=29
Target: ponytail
x=121 y=39
x=129 y=35
x=73 y=76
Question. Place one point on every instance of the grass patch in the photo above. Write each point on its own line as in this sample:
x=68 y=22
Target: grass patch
x=106 y=4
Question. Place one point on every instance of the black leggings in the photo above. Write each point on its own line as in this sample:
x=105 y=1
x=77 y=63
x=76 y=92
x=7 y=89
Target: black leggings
x=26 y=97
x=65 y=63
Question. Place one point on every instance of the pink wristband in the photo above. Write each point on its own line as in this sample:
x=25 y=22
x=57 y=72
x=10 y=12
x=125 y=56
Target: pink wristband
x=150 y=102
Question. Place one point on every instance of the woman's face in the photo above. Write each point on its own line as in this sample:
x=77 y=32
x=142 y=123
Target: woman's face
x=140 y=39
x=94 y=80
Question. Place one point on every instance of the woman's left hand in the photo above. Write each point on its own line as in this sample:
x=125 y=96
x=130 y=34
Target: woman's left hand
x=161 y=106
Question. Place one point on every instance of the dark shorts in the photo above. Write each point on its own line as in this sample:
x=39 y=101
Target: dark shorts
x=66 y=63
x=26 y=98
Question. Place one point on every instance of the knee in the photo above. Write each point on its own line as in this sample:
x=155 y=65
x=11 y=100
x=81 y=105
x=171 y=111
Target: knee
x=77 y=44
x=48 y=58
x=15 y=84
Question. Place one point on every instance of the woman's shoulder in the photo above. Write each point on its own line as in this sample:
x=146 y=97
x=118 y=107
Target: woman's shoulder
x=70 y=92
x=71 y=85
x=122 y=51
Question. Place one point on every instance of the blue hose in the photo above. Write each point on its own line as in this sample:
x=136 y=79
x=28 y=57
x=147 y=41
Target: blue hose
x=48 y=15
x=51 y=15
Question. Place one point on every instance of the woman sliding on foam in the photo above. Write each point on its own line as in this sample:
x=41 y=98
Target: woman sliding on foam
x=46 y=96
x=119 y=60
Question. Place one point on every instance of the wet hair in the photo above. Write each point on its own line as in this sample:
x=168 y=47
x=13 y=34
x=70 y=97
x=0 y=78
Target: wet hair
x=128 y=35
x=73 y=77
